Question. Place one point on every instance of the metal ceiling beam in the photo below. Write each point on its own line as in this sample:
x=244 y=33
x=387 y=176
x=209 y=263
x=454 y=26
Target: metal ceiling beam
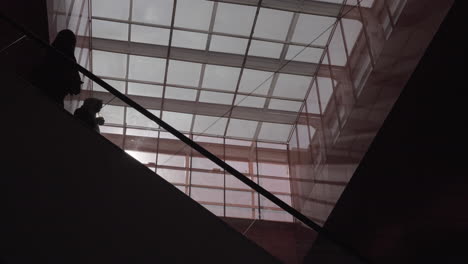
x=311 y=7
x=209 y=109
x=208 y=57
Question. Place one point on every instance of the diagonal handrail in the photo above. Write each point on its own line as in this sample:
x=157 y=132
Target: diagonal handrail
x=184 y=139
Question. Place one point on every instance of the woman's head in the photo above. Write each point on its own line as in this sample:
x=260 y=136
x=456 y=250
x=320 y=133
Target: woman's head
x=65 y=42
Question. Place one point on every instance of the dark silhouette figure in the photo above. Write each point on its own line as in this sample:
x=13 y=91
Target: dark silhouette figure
x=57 y=77
x=88 y=111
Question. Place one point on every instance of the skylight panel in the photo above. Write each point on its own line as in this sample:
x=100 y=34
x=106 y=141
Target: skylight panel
x=118 y=9
x=313 y=29
x=228 y=44
x=292 y=86
x=234 y=19
x=273 y=24
x=184 y=73
x=265 y=49
x=221 y=77
x=194 y=14
x=209 y=125
x=150 y=35
x=109 y=64
x=145 y=89
x=255 y=82
x=242 y=128
x=190 y=40
x=147 y=68
x=153 y=12
x=275 y=132
x=110 y=30
x=216 y=98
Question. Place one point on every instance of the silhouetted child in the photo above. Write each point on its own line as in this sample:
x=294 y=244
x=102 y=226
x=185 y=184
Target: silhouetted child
x=88 y=113
x=57 y=77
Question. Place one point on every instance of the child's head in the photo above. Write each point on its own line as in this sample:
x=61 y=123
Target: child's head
x=93 y=105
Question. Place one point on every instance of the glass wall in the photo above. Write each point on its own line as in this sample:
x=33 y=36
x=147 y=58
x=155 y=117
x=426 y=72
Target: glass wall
x=336 y=125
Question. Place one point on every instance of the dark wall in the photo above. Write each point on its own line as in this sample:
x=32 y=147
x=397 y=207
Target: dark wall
x=33 y=16
x=407 y=201
x=68 y=195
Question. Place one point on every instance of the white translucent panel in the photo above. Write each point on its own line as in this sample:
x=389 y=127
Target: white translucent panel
x=180 y=94
x=179 y=121
x=250 y=101
x=313 y=29
x=351 y=28
x=285 y=105
x=255 y=82
x=141 y=133
x=221 y=77
x=120 y=86
x=145 y=89
x=233 y=182
x=146 y=68
x=143 y=157
x=110 y=30
x=273 y=24
x=304 y=54
x=173 y=176
x=209 y=125
x=109 y=64
x=206 y=178
x=190 y=40
x=113 y=114
x=171 y=160
x=265 y=49
x=292 y=86
x=228 y=44
x=111 y=130
x=204 y=163
x=184 y=73
x=118 y=9
x=154 y=12
x=216 y=98
x=275 y=132
x=270 y=169
x=275 y=185
x=244 y=198
x=135 y=118
x=195 y=14
x=207 y=195
x=325 y=90
x=242 y=128
x=151 y=35
x=234 y=19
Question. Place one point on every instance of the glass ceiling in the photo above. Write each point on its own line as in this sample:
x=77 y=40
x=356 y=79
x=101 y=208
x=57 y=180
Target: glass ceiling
x=199 y=67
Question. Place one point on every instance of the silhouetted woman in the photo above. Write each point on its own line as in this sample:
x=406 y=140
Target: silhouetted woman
x=57 y=77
